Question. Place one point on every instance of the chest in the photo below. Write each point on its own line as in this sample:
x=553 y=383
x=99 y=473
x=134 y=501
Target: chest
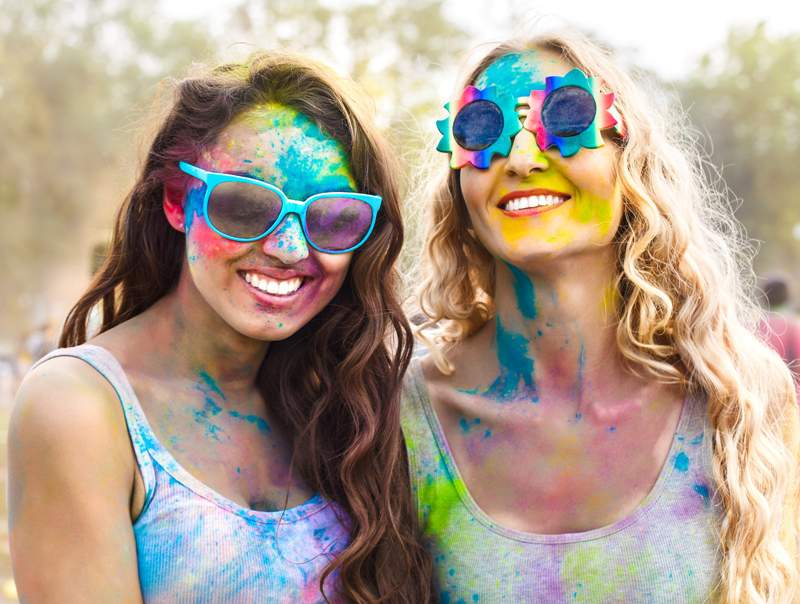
x=230 y=446
x=553 y=473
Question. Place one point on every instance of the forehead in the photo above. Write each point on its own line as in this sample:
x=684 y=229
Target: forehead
x=282 y=146
x=518 y=73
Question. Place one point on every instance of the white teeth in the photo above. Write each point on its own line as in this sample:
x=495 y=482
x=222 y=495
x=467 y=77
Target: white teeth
x=276 y=287
x=523 y=203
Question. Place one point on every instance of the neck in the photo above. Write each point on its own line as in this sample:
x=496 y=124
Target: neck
x=555 y=328
x=190 y=342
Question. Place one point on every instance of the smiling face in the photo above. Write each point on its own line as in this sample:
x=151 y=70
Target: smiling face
x=270 y=288
x=533 y=204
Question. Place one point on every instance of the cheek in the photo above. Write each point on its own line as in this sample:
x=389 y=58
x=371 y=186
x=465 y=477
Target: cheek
x=334 y=266
x=593 y=172
x=598 y=202
x=202 y=243
x=476 y=185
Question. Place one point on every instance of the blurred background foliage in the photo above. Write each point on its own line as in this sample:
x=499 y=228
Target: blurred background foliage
x=78 y=79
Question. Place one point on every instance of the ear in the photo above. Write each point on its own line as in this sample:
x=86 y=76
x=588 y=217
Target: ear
x=173 y=204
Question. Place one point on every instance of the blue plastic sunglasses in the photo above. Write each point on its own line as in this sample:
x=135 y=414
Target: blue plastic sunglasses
x=241 y=208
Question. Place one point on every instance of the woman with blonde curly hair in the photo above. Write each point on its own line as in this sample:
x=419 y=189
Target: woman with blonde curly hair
x=596 y=420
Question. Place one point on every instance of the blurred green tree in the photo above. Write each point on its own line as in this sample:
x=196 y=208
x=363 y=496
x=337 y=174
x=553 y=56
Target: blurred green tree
x=745 y=97
x=73 y=75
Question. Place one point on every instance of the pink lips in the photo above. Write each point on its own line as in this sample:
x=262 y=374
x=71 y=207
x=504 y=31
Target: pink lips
x=504 y=201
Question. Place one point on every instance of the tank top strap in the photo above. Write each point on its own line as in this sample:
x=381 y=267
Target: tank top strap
x=142 y=439
x=431 y=479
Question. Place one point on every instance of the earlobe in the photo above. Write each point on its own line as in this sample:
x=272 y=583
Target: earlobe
x=173 y=204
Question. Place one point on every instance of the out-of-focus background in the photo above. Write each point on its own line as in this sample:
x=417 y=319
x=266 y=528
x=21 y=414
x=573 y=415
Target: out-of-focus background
x=78 y=79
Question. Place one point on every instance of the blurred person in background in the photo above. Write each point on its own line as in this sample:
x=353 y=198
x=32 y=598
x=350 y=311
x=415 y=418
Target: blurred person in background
x=231 y=434
x=597 y=419
x=780 y=327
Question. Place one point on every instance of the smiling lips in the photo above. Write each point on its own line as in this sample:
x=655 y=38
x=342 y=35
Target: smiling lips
x=530 y=202
x=273 y=285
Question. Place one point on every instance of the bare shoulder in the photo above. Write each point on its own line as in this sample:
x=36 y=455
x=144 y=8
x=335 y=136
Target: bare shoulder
x=64 y=404
x=66 y=394
x=445 y=389
x=71 y=474
x=468 y=358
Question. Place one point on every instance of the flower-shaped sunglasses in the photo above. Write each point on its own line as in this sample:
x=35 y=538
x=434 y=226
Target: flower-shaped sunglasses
x=568 y=112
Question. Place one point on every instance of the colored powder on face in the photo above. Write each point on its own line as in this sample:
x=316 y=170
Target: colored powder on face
x=193 y=206
x=681 y=462
x=514 y=74
x=288 y=240
x=523 y=289
x=306 y=161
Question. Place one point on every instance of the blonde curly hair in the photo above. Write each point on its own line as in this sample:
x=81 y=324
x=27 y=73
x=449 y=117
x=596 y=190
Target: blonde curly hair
x=686 y=315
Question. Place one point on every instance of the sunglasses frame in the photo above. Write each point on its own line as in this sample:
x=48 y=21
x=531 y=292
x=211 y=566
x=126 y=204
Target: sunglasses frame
x=528 y=109
x=288 y=206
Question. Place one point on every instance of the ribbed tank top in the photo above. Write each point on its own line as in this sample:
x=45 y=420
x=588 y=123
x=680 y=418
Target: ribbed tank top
x=664 y=552
x=195 y=546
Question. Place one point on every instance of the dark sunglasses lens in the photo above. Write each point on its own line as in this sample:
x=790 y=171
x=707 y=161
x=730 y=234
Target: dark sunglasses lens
x=478 y=125
x=568 y=111
x=337 y=223
x=243 y=210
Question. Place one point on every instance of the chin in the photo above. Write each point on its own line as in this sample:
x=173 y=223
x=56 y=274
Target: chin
x=272 y=333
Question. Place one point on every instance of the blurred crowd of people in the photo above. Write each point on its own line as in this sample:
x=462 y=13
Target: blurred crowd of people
x=781 y=326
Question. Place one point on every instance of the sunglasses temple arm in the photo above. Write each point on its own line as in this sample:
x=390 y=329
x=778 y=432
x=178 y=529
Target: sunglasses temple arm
x=198 y=173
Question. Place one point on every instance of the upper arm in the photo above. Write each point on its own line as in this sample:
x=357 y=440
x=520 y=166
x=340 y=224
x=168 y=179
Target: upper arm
x=71 y=473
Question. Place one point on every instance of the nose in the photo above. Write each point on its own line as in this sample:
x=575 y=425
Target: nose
x=287 y=244
x=525 y=156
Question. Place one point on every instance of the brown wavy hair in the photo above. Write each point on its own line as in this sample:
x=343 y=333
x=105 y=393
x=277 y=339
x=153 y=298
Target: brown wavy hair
x=686 y=315
x=336 y=382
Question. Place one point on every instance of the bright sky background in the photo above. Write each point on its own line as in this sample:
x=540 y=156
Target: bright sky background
x=667 y=37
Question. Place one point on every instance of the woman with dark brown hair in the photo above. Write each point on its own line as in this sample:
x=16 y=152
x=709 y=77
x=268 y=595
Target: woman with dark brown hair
x=232 y=433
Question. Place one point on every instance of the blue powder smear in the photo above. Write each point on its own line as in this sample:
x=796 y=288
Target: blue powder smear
x=467 y=425
x=702 y=490
x=516 y=73
x=193 y=206
x=524 y=291
x=681 y=462
x=258 y=422
x=516 y=380
x=203 y=416
x=302 y=170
